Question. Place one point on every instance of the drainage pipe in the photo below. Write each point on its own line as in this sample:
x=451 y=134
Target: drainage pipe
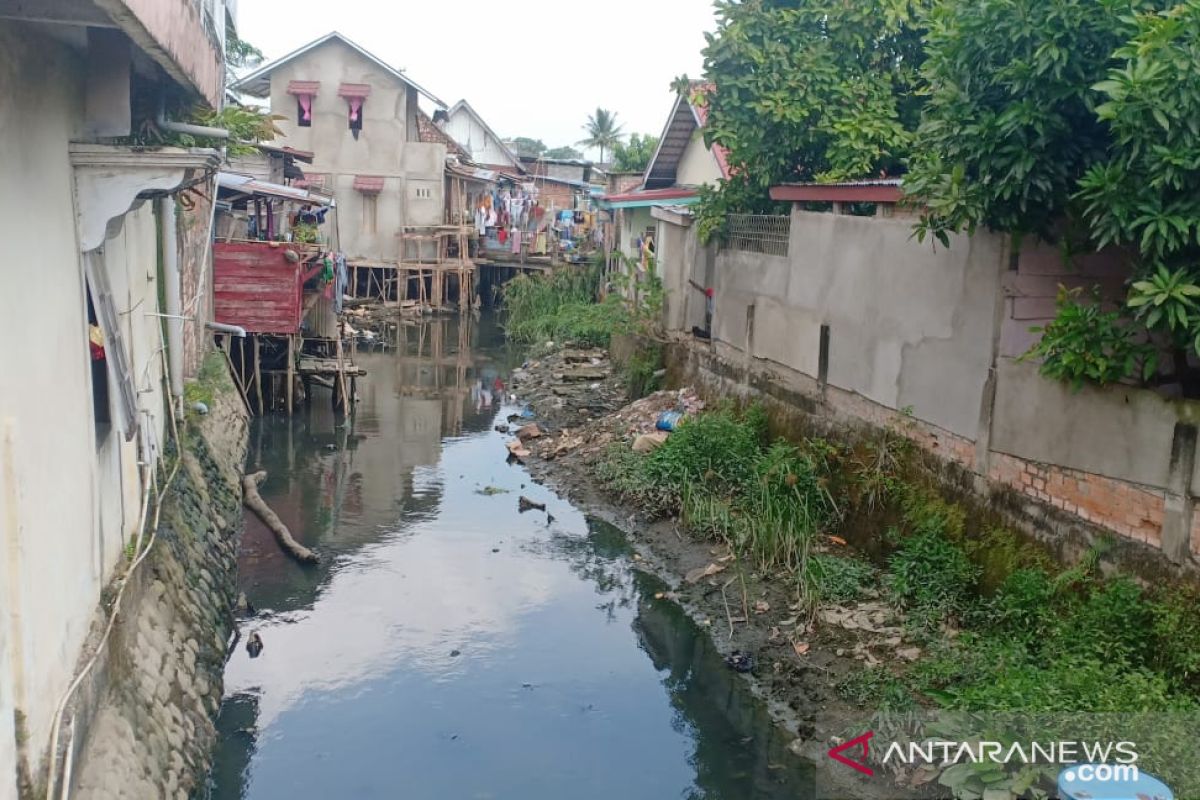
x=236 y=330
x=172 y=289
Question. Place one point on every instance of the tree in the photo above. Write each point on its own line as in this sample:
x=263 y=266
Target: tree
x=528 y=147
x=634 y=156
x=563 y=152
x=603 y=132
x=810 y=90
x=1011 y=122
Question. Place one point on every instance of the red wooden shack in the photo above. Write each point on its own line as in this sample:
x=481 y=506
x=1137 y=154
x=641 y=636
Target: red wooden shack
x=257 y=287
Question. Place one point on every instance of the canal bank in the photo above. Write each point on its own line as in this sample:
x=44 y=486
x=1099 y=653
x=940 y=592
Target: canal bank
x=141 y=722
x=451 y=645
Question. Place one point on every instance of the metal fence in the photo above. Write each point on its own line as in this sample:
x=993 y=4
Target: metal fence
x=758 y=233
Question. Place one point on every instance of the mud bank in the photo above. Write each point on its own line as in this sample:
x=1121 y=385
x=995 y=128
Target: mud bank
x=144 y=715
x=795 y=669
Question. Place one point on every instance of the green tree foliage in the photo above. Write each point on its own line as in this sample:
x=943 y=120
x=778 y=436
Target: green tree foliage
x=808 y=90
x=1011 y=123
x=566 y=151
x=636 y=154
x=528 y=147
x=603 y=132
x=1146 y=195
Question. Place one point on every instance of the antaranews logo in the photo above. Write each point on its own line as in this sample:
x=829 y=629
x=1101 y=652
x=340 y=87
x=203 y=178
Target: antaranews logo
x=859 y=761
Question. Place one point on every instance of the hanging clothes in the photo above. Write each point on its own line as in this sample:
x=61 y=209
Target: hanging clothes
x=502 y=235
x=516 y=241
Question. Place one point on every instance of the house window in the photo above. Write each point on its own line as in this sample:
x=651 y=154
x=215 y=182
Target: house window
x=98 y=357
x=370 y=213
x=304 y=110
x=356 y=104
x=355 y=95
x=424 y=193
x=304 y=92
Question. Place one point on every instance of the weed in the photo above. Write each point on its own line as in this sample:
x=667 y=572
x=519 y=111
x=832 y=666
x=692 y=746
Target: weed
x=840 y=580
x=875 y=687
x=932 y=577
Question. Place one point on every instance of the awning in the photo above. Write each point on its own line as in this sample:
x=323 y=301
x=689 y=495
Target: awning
x=368 y=184
x=244 y=184
x=644 y=198
x=303 y=87
x=354 y=90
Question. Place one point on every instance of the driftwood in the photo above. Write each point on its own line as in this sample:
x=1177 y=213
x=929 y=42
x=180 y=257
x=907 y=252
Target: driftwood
x=253 y=501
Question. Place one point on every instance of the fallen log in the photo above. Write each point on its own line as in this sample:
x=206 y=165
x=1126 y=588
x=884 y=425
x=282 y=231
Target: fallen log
x=253 y=501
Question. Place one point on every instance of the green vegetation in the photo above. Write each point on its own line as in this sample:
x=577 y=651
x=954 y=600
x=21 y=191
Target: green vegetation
x=810 y=90
x=1002 y=627
x=603 y=132
x=635 y=155
x=213 y=375
x=561 y=305
x=1073 y=122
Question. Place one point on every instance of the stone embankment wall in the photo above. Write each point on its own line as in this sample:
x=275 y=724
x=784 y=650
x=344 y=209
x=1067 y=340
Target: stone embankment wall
x=144 y=718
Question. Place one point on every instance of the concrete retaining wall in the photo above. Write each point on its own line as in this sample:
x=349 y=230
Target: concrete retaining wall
x=867 y=324
x=144 y=717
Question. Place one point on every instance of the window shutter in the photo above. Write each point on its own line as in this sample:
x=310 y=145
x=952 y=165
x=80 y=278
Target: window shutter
x=115 y=354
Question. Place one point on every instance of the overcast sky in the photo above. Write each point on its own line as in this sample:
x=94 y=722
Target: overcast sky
x=531 y=68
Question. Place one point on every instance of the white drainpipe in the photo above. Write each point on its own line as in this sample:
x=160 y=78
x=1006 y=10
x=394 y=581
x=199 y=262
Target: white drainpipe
x=170 y=233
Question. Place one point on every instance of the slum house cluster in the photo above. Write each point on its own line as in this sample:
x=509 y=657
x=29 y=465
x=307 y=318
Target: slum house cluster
x=421 y=202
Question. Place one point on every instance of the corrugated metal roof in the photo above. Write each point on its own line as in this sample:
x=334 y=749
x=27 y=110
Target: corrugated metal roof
x=247 y=185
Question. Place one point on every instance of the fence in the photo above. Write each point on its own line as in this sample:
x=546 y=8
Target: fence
x=758 y=233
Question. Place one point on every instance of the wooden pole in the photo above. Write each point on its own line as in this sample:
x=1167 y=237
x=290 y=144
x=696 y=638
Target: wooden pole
x=291 y=374
x=258 y=392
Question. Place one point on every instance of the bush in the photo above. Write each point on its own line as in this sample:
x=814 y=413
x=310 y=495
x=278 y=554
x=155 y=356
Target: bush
x=931 y=576
x=840 y=580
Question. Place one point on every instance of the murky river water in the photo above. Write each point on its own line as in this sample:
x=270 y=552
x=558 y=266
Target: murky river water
x=449 y=646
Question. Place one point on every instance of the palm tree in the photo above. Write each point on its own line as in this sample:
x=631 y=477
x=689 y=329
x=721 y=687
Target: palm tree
x=602 y=130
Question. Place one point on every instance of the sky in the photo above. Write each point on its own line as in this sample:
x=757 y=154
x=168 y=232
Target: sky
x=531 y=68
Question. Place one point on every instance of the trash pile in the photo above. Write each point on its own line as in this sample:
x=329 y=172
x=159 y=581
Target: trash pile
x=645 y=423
x=570 y=386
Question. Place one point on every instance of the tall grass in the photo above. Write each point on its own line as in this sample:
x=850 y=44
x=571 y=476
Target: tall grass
x=561 y=304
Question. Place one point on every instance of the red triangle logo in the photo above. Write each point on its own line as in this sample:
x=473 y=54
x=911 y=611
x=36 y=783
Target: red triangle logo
x=858 y=760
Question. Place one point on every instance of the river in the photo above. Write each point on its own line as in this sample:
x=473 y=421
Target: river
x=449 y=646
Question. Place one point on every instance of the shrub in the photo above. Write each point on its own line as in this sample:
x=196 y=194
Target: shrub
x=931 y=576
x=838 y=579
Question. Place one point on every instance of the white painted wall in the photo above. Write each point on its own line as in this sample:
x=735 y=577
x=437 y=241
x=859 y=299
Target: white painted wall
x=67 y=502
x=483 y=147
x=697 y=164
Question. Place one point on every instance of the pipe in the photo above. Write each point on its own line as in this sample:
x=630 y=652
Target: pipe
x=236 y=330
x=172 y=290
x=186 y=127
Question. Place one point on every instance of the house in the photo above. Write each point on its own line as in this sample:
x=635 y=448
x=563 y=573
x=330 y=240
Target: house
x=681 y=164
x=102 y=326
x=464 y=125
x=361 y=118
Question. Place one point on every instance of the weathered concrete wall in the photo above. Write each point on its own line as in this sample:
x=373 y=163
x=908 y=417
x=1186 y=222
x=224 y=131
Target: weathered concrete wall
x=145 y=714
x=195 y=264
x=922 y=335
x=386 y=147
x=48 y=478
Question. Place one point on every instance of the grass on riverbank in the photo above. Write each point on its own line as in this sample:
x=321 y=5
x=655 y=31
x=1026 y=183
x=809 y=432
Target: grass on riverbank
x=1000 y=625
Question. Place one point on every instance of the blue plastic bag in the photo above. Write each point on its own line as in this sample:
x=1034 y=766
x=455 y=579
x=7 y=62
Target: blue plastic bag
x=669 y=420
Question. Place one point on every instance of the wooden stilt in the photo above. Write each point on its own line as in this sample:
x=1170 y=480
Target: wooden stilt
x=291 y=374
x=258 y=390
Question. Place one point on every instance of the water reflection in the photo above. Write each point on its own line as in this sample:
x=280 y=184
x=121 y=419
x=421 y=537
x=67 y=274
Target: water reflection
x=449 y=646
